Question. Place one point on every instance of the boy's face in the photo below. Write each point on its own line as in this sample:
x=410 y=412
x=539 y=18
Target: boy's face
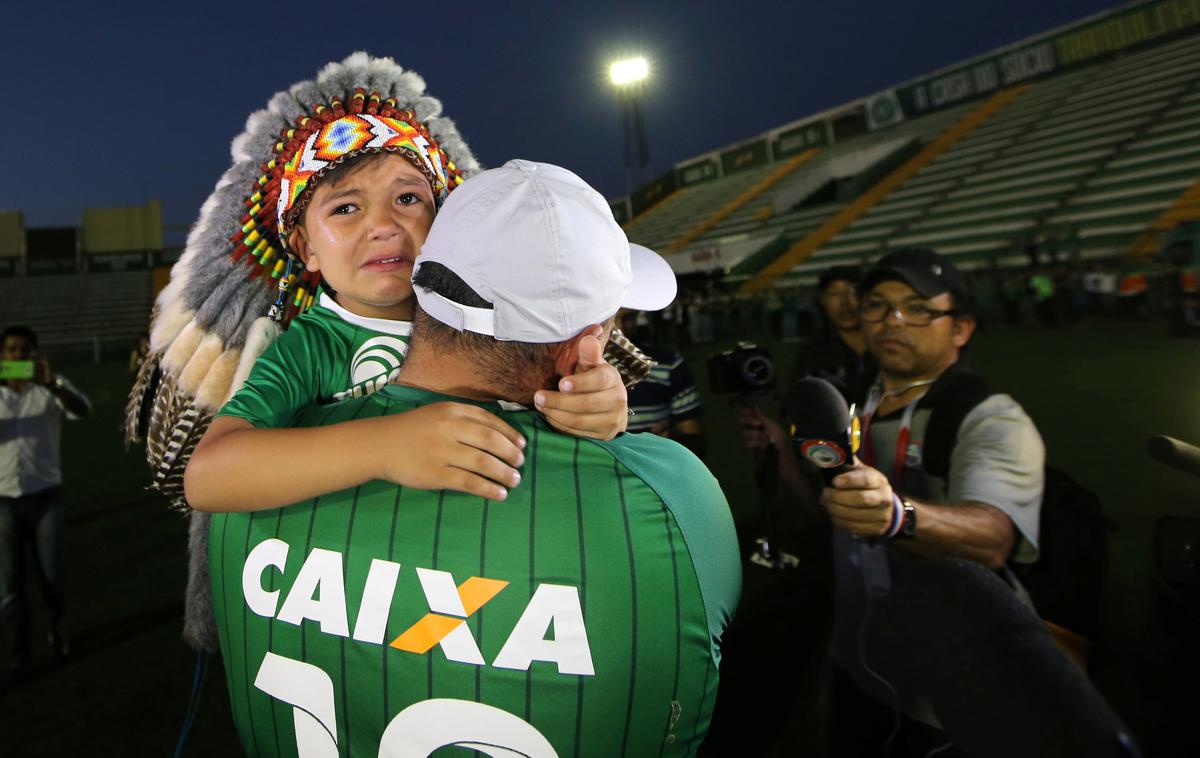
x=362 y=232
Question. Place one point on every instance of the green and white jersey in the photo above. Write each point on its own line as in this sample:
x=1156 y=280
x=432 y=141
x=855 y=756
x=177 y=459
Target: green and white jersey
x=327 y=354
x=580 y=617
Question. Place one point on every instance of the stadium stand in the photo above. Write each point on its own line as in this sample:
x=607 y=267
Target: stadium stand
x=82 y=312
x=1093 y=162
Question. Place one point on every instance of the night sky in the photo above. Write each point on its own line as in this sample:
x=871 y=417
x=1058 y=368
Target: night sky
x=111 y=107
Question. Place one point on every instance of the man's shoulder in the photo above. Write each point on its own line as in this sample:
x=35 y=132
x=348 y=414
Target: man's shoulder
x=684 y=484
x=1000 y=414
x=656 y=458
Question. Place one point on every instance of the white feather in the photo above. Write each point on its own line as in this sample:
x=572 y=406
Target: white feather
x=262 y=333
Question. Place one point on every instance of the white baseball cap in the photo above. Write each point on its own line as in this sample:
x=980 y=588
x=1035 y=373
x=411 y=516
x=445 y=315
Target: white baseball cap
x=542 y=247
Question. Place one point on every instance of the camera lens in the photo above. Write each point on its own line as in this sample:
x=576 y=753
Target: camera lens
x=757 y=371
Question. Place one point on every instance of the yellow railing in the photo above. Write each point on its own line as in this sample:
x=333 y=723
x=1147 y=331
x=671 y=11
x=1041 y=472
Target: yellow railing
x=724 y=211
x=1186 y=208
x=636 y=220
x=838 y=223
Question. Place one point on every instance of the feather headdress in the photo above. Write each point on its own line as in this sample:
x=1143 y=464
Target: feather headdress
x=210 y=322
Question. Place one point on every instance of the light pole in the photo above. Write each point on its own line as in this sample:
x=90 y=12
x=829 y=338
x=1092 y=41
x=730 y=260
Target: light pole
x=629 y=77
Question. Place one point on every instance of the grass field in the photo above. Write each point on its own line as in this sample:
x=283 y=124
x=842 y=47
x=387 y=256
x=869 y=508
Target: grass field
x=1096 y=390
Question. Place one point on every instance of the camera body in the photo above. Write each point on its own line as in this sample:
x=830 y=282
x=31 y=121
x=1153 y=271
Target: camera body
x=745 y=370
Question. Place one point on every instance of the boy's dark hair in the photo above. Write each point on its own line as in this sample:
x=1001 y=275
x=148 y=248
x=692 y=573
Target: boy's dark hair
x=500 y=361
x=340 y=172
x=19 y=331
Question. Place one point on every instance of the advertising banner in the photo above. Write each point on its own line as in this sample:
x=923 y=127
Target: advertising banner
x=1116 y=32
x=1122 y=30
x=978 y=78
x=696 y=172
x=883 y=110
x=744 y=157
x=656 y=190
x=801 y=138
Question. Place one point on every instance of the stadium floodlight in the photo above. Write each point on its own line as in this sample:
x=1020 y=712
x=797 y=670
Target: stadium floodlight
x=631 y=71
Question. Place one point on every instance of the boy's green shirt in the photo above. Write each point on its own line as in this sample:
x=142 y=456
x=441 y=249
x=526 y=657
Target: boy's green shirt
x=327 y=354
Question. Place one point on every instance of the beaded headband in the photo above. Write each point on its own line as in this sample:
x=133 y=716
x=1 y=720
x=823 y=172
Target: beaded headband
x=350 y=135
x=305 y=153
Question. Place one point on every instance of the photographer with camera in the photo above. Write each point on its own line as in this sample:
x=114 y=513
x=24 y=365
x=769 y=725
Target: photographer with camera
x=33 y=401
x=839 y=356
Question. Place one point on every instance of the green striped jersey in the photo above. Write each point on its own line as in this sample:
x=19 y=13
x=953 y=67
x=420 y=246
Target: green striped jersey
x=327 y=354
x=580 y=617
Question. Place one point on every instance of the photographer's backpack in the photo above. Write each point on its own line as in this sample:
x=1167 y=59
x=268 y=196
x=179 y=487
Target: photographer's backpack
x=1067 y=580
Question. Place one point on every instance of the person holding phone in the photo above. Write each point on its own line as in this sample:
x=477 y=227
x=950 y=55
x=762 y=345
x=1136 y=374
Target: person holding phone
x=33 y=401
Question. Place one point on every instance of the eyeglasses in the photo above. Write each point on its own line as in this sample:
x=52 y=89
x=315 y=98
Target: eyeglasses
x=875 y=309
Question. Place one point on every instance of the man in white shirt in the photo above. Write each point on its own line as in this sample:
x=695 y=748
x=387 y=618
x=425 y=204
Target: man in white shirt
x=33 y=401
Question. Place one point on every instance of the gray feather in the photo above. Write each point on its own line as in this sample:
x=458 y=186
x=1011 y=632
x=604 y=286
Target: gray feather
x=199 y=621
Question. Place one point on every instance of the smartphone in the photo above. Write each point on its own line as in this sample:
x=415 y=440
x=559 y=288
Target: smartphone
x=16 y=370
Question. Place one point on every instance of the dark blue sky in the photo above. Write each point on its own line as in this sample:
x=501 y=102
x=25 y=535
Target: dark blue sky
x=117 y=103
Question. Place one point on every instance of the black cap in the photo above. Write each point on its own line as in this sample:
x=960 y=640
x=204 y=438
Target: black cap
x=927 y=272
x=852 y=274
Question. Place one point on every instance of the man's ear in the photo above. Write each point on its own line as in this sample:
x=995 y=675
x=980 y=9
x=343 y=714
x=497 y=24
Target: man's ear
x=298 y=243
x=566 y=357
x=964 y=327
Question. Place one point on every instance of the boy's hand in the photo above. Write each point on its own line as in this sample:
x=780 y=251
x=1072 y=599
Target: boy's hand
x=592 y=402
x=452 y=446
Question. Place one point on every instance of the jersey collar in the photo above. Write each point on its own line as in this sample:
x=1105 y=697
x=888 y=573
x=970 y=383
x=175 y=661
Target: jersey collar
x=384 y=325
x=407 y=393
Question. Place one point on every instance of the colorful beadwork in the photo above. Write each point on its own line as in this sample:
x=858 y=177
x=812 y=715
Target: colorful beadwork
x=348 y=136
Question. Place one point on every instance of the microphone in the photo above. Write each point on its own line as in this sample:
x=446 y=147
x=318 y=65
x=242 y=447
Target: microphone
x=822 y=426
x=1175 y=453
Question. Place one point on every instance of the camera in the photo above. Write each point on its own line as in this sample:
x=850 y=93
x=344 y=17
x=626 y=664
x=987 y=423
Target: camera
x=745 y=370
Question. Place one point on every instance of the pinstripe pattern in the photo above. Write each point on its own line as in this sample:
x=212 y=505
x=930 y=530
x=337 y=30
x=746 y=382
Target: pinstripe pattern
x=582 y=586
x=633 y=606
x=582 y=521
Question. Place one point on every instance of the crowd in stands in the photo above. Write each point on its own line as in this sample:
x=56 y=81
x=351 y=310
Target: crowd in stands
x=1054 y=292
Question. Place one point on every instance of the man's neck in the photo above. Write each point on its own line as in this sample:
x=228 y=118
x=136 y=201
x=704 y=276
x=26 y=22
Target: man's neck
x=451 y=374
x=854 y=339
x=900 y=390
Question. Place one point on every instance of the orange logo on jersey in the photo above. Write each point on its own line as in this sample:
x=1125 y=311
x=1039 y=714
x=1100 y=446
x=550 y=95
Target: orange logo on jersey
x=434 y=627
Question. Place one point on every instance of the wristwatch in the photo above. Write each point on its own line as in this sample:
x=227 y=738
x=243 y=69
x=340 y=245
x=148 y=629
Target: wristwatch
x=908 y=524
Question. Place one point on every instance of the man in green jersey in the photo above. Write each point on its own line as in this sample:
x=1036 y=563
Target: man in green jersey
x=582 y=616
